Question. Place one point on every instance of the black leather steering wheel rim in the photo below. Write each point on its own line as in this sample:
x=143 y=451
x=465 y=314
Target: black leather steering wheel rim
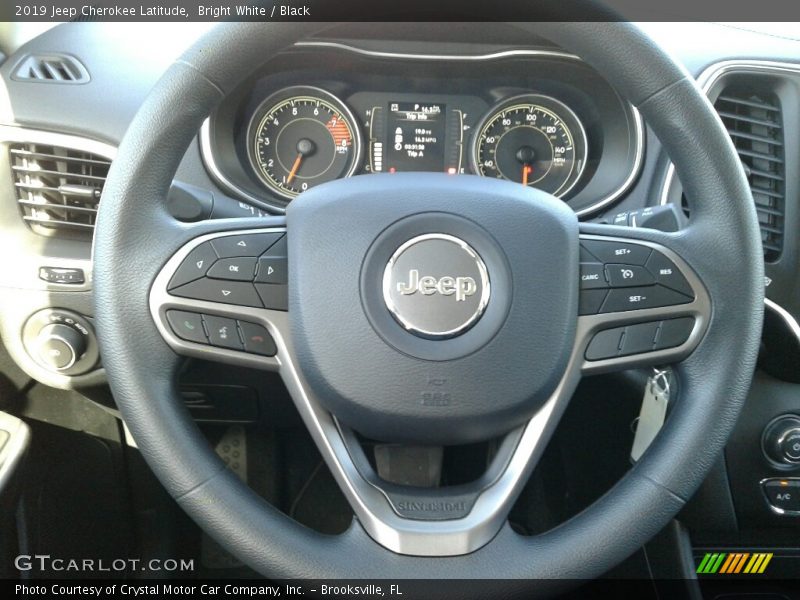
x=135 y=234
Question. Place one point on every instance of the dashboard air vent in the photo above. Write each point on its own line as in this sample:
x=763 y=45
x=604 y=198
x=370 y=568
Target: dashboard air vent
x=55 y=68
x=753 y=120
x=57 y=188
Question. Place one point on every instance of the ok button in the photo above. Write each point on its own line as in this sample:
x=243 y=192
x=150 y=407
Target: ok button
x=233 y=269
x=628 y=276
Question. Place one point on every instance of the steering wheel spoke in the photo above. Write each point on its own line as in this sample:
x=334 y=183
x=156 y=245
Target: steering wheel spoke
x=640 y=302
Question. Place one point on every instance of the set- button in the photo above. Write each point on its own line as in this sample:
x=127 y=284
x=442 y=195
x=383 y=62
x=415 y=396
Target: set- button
x=246 y=269
x=221 y=332
x=621 y=276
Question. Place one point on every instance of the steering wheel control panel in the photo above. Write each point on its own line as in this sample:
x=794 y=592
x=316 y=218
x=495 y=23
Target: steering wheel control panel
x=246 y=270
x=221 y=332
x=639 y=338
x=617 y=277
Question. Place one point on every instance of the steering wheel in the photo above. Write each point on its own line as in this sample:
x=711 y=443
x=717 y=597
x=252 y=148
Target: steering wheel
x=429 y=309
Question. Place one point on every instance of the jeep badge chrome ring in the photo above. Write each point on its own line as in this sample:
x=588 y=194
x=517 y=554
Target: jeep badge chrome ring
x=436 y=286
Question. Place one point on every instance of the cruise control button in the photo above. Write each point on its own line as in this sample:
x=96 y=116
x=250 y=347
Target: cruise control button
x=187 y=326
x=639 y=338
x=605 y=344
x=274 y=296
x=667 y=274
x=248 y=244
x=592 y=276
x=628 y=276
x=216 y=290
x=272 y=269
x=257 y=339
x=222 y=332
x=617 y=252
x=674 y=332
x=590 y=301
x=783 y=493
x=638 y=298
x=236 y=269
x=194 y=266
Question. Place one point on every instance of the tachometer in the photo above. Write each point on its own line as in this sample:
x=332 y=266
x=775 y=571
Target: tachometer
x=533 y=140
x=300 y=137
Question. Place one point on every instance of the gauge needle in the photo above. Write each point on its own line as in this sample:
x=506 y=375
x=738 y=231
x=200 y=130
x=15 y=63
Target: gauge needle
x=295 y=166
x=526 y=170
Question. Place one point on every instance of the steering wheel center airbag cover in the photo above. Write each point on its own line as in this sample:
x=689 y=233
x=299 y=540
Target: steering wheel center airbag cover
x=506 y=259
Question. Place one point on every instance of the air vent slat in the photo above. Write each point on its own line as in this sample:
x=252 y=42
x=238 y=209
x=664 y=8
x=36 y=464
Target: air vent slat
x=760 y=155
x=746 y=102
x=51 y=68
x=57 y=188
x=58 y=224
x=79 y=159
x=766 y=174
x=57 y=207
x=756 y=138
x=753 y=118
x=747 y=119
x=35 y=170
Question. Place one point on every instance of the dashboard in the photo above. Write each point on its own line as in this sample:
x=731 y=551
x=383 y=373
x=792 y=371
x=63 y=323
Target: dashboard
x=540 y=118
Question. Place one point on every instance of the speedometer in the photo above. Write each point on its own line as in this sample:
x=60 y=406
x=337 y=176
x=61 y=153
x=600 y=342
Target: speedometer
x=534 y=140
x=301 y=137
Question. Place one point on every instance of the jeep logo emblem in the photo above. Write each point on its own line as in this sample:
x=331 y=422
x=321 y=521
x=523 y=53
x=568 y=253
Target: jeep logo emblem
x=462 y=287
x=436 y=286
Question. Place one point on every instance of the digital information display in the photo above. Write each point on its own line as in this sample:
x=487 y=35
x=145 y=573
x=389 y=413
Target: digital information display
x=415 y=137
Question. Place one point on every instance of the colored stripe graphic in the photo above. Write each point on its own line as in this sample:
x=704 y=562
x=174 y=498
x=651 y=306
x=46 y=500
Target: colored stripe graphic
x=734 y=563
x=767 y=558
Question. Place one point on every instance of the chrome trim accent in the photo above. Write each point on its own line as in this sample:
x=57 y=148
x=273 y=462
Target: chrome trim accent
x=373 y=511
x=439 y=57
x=485 y=286
x=772 y=507
x=13 y=450
x=207 y=156
x=638 y=123
x=784 y=314
x=712 y=75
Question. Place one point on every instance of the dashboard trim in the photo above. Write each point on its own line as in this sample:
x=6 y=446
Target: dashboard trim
x=712 y=75
x=706 y=81
x=638 y=123
x=25 y=270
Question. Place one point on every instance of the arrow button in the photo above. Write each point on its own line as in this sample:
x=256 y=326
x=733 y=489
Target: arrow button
x=273 y=269
x=194 y=266
x=217 y=290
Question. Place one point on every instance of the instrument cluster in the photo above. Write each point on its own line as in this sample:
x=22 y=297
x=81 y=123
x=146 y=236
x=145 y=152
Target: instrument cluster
x=558 y=128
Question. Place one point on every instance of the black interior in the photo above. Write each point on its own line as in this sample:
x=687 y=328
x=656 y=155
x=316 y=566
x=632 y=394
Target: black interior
x=83 y=475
